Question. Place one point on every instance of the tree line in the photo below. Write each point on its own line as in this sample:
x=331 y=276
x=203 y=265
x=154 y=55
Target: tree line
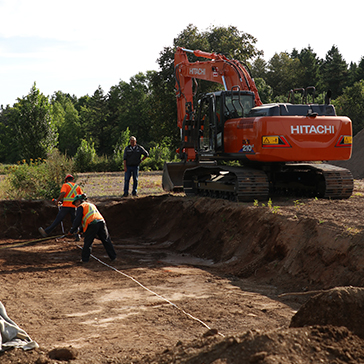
x=146 y=106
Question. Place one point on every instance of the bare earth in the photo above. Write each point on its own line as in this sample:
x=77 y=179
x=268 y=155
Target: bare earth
x=196 y=280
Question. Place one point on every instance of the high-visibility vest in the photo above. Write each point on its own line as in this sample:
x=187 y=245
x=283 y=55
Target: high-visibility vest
x=72 y=190
x=90 y=213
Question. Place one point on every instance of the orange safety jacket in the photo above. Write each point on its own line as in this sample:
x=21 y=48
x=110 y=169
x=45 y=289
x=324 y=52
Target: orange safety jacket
x=71 y=190
x=90 y=213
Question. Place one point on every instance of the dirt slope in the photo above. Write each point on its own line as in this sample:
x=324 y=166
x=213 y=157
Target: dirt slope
x=200 y=277
x=355 y=163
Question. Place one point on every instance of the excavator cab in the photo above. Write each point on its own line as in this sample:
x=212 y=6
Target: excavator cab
x=214 y=109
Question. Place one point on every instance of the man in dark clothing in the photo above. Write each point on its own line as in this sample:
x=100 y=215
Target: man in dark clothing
x=93 y=225
x=132 y=158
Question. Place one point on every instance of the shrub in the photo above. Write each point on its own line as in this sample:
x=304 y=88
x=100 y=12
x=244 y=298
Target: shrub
x=118 y=153
x=38 y=179
x=85 y=157
x=157 y=156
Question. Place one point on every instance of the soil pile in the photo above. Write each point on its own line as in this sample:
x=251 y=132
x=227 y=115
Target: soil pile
x=314 y=344
x=341 y=306
x=355 y=163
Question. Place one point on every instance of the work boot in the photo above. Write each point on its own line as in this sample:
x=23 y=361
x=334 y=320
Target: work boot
x=42 y=232
x=125 y=195
x=77 y=237
x=82 y=261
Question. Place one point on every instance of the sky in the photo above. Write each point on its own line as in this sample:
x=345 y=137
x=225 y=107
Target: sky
x=75 y=46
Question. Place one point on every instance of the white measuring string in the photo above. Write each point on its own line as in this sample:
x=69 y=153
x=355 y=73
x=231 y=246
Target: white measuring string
x=149 y=290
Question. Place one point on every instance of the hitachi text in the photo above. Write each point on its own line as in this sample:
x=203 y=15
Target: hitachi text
x=312 y=129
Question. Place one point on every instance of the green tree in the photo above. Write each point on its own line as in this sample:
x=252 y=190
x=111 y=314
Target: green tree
x=259 y=68
x=82 y=102
x=231 y=42
x=283 y=74
x=265 y=91
x=356 y=72
x=334 y=72
x=67 y=122
x=308 y=69
x=351 y=104
x=9 y=147
x=94 y=122
x=35 y=132
x=163 y=113
x=130 y=107
x=352 y=73
x=360 y=70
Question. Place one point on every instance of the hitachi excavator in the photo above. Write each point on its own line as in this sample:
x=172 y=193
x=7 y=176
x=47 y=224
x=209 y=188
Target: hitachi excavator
x=276 y=148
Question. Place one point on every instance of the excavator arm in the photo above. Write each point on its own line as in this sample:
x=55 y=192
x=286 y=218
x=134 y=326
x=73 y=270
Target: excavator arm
x=229 y=73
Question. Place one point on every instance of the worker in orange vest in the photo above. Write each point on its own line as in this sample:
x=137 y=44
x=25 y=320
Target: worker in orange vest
x=93 y=224
x=69 y=191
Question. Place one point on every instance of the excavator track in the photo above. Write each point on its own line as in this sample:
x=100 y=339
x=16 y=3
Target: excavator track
x=339 y=181
x=231 y=183
x=321 y=180
x=249 y=184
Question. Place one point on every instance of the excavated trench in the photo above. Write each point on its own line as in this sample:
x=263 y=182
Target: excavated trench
x=240 y=240
x=232 y=264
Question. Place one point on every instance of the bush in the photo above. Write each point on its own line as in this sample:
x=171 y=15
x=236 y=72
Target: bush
x=85 y=157
x=157 y=156
x=118 y=154
x=104 y=164
x=5 y=168
x=38 y=179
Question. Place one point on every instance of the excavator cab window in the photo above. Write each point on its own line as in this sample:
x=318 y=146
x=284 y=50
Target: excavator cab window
x=237 y=105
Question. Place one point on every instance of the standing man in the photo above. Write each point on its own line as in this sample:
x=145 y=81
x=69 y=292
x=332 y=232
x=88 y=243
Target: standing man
x=69 y=191
x=132 y=158
x=93 y=225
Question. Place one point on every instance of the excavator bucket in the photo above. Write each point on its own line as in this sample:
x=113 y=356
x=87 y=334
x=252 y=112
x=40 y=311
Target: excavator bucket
x=172 y=179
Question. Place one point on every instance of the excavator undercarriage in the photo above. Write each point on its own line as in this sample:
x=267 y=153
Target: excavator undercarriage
x=249 y=184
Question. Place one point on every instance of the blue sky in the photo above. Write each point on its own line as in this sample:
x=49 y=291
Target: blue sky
x=74 y=46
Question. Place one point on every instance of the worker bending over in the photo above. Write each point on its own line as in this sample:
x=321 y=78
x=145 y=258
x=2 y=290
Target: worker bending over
x=93 y=225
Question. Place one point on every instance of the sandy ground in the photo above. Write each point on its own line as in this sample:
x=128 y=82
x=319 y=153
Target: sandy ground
x=196 y=281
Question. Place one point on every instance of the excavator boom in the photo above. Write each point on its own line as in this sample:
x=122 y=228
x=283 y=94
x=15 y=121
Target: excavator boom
x=229 y=73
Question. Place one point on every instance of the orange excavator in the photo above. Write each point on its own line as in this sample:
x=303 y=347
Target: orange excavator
x=276 y=148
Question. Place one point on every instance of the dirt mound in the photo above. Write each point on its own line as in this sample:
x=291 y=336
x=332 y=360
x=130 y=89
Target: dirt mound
x=355 y=163
x=341 y=306
x=316 y=344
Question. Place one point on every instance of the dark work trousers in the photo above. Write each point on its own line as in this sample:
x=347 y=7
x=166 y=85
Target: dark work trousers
x=97 y=229
x=62 y=213
x=131 y=171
